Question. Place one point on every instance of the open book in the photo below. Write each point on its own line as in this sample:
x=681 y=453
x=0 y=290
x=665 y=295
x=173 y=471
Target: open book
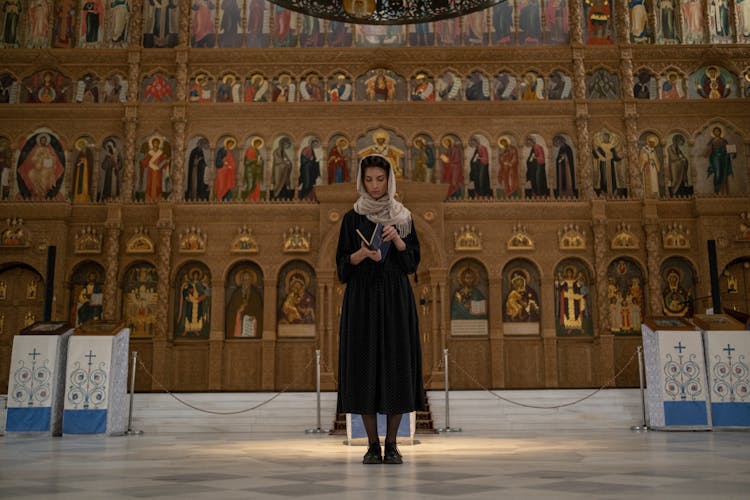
x=375 y=240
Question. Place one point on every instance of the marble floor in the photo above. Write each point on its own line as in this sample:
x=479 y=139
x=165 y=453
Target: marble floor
x=478 y=462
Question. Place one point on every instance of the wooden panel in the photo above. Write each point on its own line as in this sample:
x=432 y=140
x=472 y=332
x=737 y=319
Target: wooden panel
x=575 y=363
x=470 y=368
x=145 y=350
x=242 y=366
x=295 y=365
x=625 y=349
x=190 y=368
x=524 y=363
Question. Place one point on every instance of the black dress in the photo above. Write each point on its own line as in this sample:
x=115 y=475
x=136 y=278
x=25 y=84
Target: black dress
x=380 y=360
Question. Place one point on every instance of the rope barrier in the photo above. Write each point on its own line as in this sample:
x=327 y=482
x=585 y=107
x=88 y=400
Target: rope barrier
x=554 y=407
x=236 y=412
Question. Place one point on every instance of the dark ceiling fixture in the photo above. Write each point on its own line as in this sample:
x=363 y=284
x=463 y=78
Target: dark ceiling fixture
x=386 y=11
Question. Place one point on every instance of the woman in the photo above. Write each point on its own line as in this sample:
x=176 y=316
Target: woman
x=379 y=353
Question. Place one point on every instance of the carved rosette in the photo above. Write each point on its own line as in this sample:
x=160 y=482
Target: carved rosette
x=163 y=265
x=653 y=256
x=112 y=259
x=600 y=268
x=636 y=176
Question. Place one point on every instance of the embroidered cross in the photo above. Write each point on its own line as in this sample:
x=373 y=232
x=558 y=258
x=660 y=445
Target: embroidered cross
x=729 y=349
x=34 y=354
x=91 y=356
x=680 y=347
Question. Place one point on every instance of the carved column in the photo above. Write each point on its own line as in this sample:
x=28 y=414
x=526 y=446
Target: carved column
x=585 y=181
x=653 y=258
x=129 y=168
x=600 y=267
x=112 y=260
x=270 y=293
x=635 y=188
x=604 y=338
x=497 y=340
x=216 y=335
x=179 y=121
x=622 y=21
x=134 y=75
x=165 y=228
x=575 y=20
x=579 y=75
x=626 y=72
x=184 y=22
x=135 y=26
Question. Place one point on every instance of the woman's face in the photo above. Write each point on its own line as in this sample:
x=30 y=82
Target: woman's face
x=375 y=180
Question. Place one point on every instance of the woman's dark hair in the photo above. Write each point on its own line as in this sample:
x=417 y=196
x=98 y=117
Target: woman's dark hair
x=375 y=161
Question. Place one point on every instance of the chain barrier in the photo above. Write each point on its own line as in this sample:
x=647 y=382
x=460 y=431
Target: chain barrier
x=554 y=407
x=236 y=412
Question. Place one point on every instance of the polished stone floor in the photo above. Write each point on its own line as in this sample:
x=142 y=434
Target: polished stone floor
x=618 y=463
x=504 y=450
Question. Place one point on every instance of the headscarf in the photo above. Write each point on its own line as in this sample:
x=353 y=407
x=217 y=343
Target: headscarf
x=386 y=210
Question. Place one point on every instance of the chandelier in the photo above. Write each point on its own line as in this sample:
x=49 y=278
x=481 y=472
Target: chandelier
x=386 y=11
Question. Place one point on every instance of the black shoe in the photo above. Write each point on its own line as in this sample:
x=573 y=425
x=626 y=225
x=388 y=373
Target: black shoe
x=392 y=456
x=373 y=455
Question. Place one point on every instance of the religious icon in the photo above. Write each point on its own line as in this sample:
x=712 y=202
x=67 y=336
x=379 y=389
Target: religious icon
x=11 y=13
x=478 y=158
x=645 y=85
x=599 y=22
x=202 y=30
x=41 y=167
x=469 y=300
x=92 y=23
x=281 y=169
x=560 y=86
x=692 y=21
x=311 y=88
x=160 y=23
x=284 y=27
x=193 y=304
x=154 y=169
x=475 y=28
x=158 y=88
x=602 y=84
x=199 y=153
x=230 y=23
x=3 y=290
x=610 y=175
x=284 y=89
x=565 y=171
x=531 y=87
x=557 y=25
x=678 y=173
x=477 y=87
x=572 y=307
x=508 y=185
x=666 y=17
x=720 y=154
x=140 y=299
x=720 y=25
x=423 y=89
x=118 y=15
x=743 y=18
x=258 y=21
x=256 y=89
x=535 y=151
x=311 y=34
x=31 y=288
x=451 y=166
x=423 y=159
x=244 y=316
x=506 y=87
x=253 y=185
x=298 y=305
x=529 y=22
x=672 y=86
x=201 y=88
x=82 y=170
x=502 y=23
x=382 y=146
x=625 y=296
x=713 y=82
x=422 y=35
x=110 y=169
x=229 y=88
x=225 y=168
x=339 y=88
x=677 y=298
x=640 y=31
x=449 y=86
x=380 y=87
x=38 y=34
x=309 y=168
x=521 y=303
x=338 y=161
x=46 y=87
x=86 y=294
x=650 y=157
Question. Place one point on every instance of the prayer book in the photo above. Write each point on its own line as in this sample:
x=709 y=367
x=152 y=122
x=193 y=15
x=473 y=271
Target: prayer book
x=375 y=240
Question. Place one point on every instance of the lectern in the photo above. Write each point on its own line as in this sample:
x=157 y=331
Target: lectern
x=96 y=379
x=727 y=345
x=37 y=378
x=675 y=375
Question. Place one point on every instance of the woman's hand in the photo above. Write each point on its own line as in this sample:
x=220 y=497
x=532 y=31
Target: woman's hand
x=364 y=253
x=390 y=233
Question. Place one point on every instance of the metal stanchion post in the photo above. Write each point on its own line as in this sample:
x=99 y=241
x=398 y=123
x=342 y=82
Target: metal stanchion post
x=643 y=426
x=447 y=427
x=131 y=431
x=318 y=429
